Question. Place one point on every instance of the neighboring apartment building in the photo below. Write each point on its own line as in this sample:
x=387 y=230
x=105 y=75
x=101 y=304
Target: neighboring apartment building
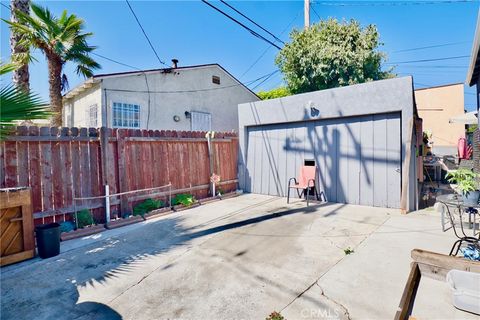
x=436 y=105
x=199 y=98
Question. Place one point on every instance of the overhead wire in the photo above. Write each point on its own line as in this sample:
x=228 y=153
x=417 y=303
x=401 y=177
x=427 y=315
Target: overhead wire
x=199 y=90
x=242 y=25
x=268 y=47
x=145 y=34
x=246 y=17
x=391 y=3
x=264 y=80
x=432 y=46
x=430 y=60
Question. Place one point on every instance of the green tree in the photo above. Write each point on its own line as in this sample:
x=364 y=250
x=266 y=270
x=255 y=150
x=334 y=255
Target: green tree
x=274 y=93
x=17 y=104
x=331 y=54
x=62 y=40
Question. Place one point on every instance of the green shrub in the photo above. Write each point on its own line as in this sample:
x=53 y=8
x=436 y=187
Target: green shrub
x=186 y=199
x=84 y=218
x=146 y=206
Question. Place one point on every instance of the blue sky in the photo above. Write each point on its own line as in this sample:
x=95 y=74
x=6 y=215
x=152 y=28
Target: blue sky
x=196 y=34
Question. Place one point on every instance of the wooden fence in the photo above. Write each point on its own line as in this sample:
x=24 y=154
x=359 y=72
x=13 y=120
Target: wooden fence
x=61 y=164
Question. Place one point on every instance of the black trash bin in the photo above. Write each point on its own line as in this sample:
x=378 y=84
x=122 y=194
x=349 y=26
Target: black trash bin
x=48 y=240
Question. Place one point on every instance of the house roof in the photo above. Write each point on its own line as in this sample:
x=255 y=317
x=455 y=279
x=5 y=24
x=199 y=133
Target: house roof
x=440 y=86
x=90 y=82
x=474 y=69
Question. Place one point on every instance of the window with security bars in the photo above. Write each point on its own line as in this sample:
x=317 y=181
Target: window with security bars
x=126 y=115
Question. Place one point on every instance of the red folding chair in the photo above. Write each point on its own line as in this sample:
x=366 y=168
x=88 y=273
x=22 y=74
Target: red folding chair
x=306 y=182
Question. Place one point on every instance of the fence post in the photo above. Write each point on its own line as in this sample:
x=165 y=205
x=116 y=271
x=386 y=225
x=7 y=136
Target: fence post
x=122 y=170
x=209 y=136
x=104 y=135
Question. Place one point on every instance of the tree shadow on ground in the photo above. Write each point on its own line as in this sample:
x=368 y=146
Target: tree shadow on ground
x=51 y=288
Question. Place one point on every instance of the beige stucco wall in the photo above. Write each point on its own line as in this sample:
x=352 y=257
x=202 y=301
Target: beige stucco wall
x=78 y=106
x=221 y=101
x=436 y=106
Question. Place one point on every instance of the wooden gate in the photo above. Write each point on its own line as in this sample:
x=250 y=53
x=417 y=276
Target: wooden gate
x=16 y=226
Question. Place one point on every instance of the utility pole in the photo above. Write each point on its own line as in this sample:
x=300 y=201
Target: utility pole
x=307 y=13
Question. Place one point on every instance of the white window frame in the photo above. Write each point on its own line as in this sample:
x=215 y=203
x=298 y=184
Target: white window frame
x=92 y=116
x=127 y=112
x=194 y=127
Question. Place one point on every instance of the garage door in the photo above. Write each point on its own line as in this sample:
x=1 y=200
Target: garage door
x=358 y=158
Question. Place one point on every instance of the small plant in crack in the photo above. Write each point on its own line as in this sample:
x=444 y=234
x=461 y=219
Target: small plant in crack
x=275 y=316
x=348 y=251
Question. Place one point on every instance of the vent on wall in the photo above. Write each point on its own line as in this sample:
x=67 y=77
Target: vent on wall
x=216 y=79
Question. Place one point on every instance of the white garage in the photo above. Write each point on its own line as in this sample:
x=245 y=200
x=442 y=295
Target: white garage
x=356 y=136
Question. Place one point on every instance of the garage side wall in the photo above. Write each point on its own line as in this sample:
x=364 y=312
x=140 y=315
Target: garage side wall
x=393 y=96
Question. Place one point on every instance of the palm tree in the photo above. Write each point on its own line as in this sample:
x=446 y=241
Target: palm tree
x=18 y=104
x=62 y=40
x=21 y=76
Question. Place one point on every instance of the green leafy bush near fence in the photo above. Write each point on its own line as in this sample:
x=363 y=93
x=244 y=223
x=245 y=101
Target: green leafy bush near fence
x=148 y=205
x=84 y=218
x=185 y=199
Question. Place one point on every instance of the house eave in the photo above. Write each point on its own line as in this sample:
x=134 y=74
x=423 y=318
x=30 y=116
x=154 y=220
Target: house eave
x=89 y=83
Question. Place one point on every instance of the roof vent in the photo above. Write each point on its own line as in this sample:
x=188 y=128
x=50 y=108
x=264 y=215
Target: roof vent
x=174 y=63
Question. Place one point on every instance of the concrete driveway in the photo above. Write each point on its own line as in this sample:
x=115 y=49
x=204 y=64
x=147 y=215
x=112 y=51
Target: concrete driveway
x=239 y=258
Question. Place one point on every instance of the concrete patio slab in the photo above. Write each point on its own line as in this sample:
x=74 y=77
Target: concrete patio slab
x=239 y=258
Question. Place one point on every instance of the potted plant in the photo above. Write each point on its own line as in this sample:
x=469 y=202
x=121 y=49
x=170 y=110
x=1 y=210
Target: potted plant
x=468 y=183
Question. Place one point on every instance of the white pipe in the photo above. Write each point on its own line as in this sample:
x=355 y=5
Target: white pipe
x=107 y=204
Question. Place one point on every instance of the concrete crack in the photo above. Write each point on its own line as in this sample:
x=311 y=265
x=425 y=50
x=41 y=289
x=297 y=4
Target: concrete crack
x=344 y=309
x=323 y=274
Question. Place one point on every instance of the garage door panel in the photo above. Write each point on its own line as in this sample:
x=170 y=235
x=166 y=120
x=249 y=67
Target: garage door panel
x=342 y=162
x=282 y=160
x=367 y=163
x=379 y=160
x=274 y=145
x=393 y=152
x=321 y=142
x=354 y=151
x=266 y=163
x=250 y=169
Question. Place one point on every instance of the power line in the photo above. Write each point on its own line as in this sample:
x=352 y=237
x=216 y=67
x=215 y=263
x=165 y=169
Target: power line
x=432 y=46
x=117 y=62
x=145 y=34
x=435 y=67
x=429 y=60
x=242 y=25
x=391 y=3
x=316 y=13
x=243 y=15
x=264 y=80
x=4 y=5
x=199 y=90
x=268 y=48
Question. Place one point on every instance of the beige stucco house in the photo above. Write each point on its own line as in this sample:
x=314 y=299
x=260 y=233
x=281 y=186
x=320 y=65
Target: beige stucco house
x=201 y=98
x=436 y=105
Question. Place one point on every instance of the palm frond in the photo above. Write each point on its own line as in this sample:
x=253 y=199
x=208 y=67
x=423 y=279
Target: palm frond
x=7 y=67
x=18 y=105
